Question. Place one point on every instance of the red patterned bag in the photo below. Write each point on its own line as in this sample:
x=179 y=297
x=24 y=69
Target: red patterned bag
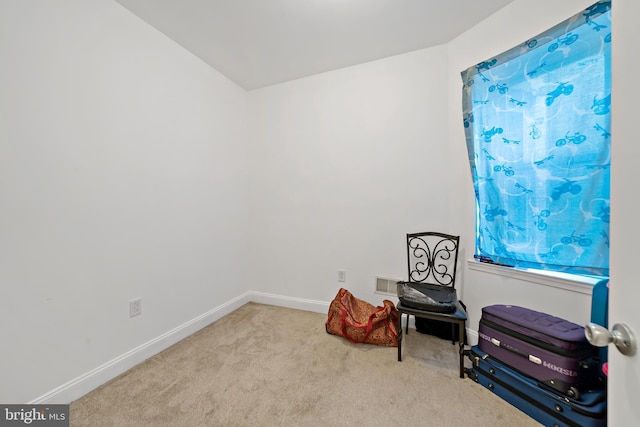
x=360 y=322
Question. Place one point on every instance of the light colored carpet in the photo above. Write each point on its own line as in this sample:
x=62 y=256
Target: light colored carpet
x=272 y=366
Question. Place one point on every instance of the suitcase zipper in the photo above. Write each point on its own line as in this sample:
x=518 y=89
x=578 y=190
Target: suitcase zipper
x=580 y=354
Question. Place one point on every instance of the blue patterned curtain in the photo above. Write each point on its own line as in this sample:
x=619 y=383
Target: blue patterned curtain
x=537 y=124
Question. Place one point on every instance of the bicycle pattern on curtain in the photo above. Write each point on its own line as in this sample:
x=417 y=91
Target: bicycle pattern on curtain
x=537 y=124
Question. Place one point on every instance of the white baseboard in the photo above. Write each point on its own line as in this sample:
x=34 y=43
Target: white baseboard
x=290 y=302
x=89 y=381
x=78 y=387
x=472 y=337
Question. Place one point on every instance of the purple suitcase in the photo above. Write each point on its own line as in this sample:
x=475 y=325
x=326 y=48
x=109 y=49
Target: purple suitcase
x=549 y=349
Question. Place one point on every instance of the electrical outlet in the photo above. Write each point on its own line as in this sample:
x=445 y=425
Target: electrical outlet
x=342 y=276
x=135 y=307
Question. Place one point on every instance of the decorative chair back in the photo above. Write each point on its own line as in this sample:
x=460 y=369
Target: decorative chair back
x=433 y=258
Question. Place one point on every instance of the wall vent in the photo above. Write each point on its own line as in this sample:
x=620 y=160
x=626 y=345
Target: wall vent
x=386 y=286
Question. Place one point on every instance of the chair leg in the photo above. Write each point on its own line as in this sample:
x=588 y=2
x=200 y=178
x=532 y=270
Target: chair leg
x=407 y=329
x=461 y=347
x=453 y=333
x=399 y=337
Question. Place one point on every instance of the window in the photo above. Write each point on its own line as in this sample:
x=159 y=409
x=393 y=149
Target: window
x=537 y=125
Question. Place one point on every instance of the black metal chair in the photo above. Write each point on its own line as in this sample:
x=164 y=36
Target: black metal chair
x=432 y=261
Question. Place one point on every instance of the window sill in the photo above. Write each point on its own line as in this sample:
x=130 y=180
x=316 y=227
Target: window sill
x=569 y=282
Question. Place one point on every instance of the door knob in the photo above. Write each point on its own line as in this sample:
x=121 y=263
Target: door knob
x=620 y=335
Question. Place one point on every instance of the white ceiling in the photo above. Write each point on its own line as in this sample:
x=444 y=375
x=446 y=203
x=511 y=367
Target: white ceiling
x=258 y=43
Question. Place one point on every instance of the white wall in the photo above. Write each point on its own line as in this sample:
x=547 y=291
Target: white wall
x=343 y=164
x=123 y=174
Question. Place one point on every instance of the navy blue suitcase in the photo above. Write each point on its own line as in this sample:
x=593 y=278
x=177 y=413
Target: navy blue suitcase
x=537 y=400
